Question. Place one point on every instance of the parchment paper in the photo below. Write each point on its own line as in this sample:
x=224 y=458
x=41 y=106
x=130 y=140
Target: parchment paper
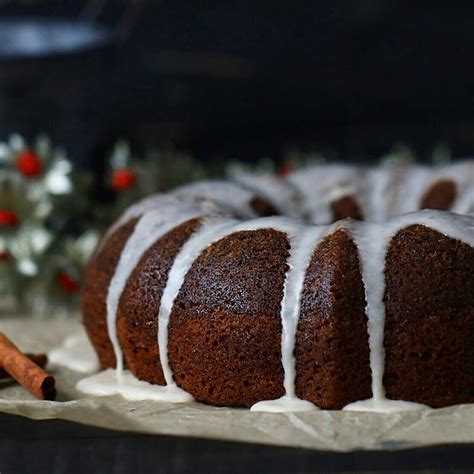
x=324 y=430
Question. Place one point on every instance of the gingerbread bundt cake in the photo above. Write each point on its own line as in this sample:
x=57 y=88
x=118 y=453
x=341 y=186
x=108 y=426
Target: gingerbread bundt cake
x=339 y=303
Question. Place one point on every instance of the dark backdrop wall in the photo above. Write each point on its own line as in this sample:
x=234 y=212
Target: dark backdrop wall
x=246 y=79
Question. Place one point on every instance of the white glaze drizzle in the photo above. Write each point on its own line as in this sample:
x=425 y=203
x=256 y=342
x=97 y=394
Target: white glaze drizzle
x=101 y=384
x=303 y=244
x=382 y=187
x=151 y=226
x=75 y=353
x=210 y=232
x=105 y=384
x=412 y=187
x=226 y=195
x=133 y=212
x=321 y=185
x=156 y=202
x=462 y=174
x=273 y=189
x=372 y=241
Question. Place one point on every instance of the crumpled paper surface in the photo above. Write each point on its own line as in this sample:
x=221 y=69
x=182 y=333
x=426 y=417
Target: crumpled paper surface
x=323 y=430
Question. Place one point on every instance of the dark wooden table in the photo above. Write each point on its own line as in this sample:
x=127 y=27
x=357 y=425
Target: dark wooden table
x=56 y=446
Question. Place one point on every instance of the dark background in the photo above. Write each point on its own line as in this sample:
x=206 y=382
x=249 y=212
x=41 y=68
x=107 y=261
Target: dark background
x=248 y=79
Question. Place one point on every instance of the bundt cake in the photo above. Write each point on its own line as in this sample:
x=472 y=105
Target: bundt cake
x=352 y=298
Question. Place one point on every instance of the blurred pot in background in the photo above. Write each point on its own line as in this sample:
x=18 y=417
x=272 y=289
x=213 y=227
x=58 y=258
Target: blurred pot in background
x=53 y=70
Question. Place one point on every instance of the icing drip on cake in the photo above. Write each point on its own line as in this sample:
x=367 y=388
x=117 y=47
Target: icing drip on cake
x=382 y=186
x=136 y=210
x=275 y=190
x=321 y=185
x=303 y=243
x=151 y=226
x=227 y=195
x=373 y=241
x=463 y=175
x=303 y=240
x=372 y=245
x=210 y=232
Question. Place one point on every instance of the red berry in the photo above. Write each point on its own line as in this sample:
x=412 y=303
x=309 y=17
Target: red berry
x=285 y=169
x=8 y=218
x=5 y=256
x=67 y=283
x=122 y=179
x=29 y=164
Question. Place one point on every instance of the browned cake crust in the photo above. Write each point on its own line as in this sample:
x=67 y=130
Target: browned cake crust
x=224 y=333
x=137 y=314
x=429 y=332
x=262 y=207
x=345 y=207
x=332 y=349
x=98 y=274
x=441 y=195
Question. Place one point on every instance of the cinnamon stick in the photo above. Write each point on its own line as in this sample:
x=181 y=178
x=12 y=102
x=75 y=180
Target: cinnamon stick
x=39 y=359
x=26 y=372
